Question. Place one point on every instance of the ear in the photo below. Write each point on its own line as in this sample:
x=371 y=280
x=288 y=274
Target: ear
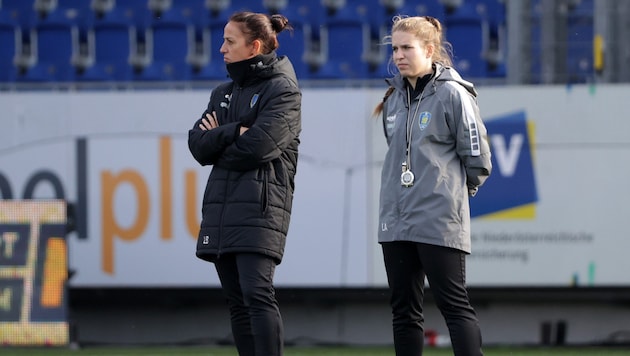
x=430 y=50
x=257 y=47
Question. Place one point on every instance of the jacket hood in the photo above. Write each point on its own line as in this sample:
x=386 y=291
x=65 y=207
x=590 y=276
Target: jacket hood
x=448 y=73
x=260 y=67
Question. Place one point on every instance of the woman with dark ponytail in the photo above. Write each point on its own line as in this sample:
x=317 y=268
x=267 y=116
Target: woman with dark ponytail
x=249 y=134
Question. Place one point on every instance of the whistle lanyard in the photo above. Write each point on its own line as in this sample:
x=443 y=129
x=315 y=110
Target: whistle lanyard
x=409 y=125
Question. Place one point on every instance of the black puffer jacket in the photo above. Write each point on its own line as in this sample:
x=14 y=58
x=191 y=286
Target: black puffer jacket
x=249 y=194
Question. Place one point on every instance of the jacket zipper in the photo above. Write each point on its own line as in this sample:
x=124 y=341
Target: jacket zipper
x=219 y=245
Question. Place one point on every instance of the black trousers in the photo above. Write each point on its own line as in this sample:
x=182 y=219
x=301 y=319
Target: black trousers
x=407 y=264
x=247 y=282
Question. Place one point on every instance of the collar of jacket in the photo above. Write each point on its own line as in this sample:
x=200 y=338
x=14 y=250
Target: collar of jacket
x=249 y=69
x=421 y=83
x=399 y=82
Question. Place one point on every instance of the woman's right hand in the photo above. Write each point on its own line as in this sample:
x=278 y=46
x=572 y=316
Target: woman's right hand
x=209 y=122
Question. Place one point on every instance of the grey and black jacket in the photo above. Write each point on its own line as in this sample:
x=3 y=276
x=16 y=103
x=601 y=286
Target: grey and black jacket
x=249 y=194
x=449 y=156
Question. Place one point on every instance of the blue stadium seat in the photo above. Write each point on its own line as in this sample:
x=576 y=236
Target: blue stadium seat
x=466 y=36
x=169 y=39
x=19 y=10
x=493 y=10
x=378 y=15
x=135 y=9
x=111 y=36
x=178 y=10
x=376 y=49
x=431 y=8
x=210 y=22
x=466 y=30
x=10 y=35
x=80 y=6
x=348 y=35
x=535 y=51
x=53 y=38
x=306 y=10
x=494 y=14
x=344 y=38
x=215 y=68
x=580 y=42
x=199 y=57
x=292 y=45
x=248 y=5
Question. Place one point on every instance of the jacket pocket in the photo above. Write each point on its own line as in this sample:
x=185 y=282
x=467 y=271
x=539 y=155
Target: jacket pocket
x=264 y=199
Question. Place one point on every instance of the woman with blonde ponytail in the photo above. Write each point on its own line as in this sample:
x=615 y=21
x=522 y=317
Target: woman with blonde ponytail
x=437 y=159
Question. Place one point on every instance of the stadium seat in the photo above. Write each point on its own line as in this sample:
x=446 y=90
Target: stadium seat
x=493 y=13
x=10 y=35
x=134 y=9
x=205 y=60
x=212 y=39
x=379 y=55
x=467 y=39
x=431 y=8
x=304 y=11
x=180 y=39
x=83 y=7
x=580 y=42
x=52 y=40
x=343 y=36
x=18 y=10
x=292 y=42
x=493 y=10
x=168 y=41
x=111 y=37
x=292 y=45
x=466 y=29
x=248 y=5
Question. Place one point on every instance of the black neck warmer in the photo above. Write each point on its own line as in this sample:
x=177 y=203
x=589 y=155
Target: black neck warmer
x=241 y=71
x=420 y=84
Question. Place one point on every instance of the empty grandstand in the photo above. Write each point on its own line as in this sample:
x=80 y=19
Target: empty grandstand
x=495 y=41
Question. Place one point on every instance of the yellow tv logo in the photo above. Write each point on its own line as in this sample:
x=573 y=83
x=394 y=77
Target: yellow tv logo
x=510 y=192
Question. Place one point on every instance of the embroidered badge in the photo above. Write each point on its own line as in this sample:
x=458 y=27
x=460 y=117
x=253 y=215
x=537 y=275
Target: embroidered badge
x=253 y=101
x=226 y=103
x=424 y=119
x=391 y=121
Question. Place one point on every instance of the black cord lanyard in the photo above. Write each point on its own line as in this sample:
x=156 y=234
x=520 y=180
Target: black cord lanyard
x=409 y=126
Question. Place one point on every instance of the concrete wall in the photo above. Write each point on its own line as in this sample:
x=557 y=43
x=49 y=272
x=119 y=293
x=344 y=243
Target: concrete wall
x=350 y=316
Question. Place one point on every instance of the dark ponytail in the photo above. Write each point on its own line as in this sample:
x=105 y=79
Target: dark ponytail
x=257 y=26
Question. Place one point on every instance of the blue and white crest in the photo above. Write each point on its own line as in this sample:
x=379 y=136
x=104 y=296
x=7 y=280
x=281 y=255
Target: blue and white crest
x=254 y=100
x=423 y=119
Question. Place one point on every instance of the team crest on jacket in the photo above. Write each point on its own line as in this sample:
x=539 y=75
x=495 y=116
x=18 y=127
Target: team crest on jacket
x=253 y=101
x=423 y=119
